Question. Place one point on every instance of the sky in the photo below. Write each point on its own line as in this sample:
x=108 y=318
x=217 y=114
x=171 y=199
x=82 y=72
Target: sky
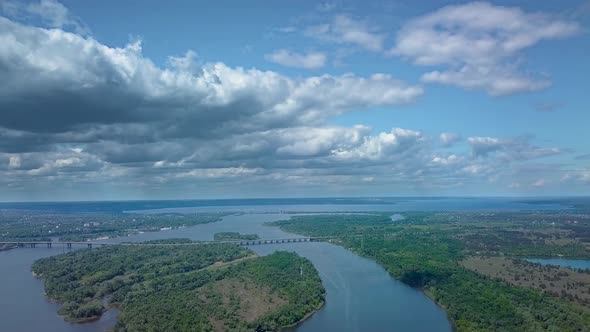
x=116 y=100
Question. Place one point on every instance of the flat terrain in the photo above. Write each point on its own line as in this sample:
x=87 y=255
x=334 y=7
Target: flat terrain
x=557 y=281
x=17 y=225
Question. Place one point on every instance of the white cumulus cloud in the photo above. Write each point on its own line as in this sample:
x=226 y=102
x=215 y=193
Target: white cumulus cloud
x=477 y=42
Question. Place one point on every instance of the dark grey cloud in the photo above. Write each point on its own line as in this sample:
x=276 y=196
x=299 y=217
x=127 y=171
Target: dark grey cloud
x=57 y=81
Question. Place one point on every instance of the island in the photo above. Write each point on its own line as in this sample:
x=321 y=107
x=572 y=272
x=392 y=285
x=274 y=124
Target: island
x=200 y=287
x=234 y=236
x=474 y=264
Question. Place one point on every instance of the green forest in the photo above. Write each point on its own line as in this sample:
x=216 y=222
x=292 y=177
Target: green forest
x=424 y=251
x=214 y=287
x=232 y=236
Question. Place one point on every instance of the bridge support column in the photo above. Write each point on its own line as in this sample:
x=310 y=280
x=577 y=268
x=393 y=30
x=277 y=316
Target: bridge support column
x=90 y=245
x=69 y=245
x=48 y=244
x=32 y=245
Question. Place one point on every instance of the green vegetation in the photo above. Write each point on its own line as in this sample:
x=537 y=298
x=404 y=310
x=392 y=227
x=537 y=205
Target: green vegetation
x=555 y=280
x=230 y=236
x=43 y=226
x=183 y=288
x=425 y=250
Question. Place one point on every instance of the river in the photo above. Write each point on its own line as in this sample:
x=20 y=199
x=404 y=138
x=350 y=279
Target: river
x=360 y=294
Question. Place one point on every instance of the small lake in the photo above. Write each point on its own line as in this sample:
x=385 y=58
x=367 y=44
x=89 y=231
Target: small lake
x=360 y=294
x=571 y=263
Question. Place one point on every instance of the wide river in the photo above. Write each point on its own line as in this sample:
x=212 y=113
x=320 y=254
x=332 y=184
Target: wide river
x=361 y=296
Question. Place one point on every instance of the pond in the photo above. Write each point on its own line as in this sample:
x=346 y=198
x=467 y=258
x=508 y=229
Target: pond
x=571 y=263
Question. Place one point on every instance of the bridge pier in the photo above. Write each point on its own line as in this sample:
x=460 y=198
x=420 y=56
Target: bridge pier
x=90 y=245
x=69 y=245
x=48 y=244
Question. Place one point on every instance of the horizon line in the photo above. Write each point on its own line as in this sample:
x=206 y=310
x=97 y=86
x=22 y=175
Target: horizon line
x=296 y=197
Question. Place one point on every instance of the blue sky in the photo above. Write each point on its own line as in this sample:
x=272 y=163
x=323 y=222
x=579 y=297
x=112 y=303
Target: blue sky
x=185 y=99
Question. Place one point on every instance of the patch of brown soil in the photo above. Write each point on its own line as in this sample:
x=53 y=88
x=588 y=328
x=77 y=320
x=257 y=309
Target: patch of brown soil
x=255 y=301
x=557 y=281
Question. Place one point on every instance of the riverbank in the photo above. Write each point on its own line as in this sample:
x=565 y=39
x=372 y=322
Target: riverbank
x=422 y=290
x=425 y=253
x=306 y=317
x=83 y=320
x=7 y=247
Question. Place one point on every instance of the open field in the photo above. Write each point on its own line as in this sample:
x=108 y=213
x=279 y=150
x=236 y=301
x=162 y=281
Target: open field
x=557 y=281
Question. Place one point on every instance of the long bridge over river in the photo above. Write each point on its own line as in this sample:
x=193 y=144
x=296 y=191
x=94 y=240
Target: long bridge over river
x=92 y=244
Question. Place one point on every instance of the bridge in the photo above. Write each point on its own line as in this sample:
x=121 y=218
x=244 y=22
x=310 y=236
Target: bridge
x=92 y=244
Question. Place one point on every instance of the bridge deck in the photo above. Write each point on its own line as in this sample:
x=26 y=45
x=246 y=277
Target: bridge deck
x=69 y=244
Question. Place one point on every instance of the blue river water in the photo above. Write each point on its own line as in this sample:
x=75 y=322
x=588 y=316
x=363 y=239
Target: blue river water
x=571 y=263
x=361 y=296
